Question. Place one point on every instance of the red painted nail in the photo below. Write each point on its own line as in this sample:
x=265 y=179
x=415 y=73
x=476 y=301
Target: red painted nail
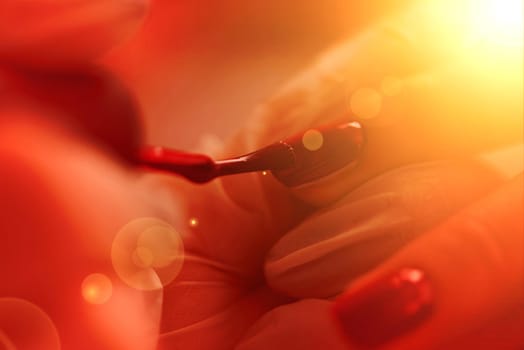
x=329 y=149
x=385 y=309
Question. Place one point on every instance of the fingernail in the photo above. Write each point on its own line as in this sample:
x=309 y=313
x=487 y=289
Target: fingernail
x=385 y=309
x=320 y=152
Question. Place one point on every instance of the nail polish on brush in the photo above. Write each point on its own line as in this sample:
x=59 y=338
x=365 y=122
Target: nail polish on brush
x=321 y=152
x=385 y=309
x=299 y=159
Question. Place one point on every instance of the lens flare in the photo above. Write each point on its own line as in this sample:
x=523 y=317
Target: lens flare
x=24 y=325
x=143 y=257
x=312 y=140
x=147 y=254
x=97 y=288
x=193 y=222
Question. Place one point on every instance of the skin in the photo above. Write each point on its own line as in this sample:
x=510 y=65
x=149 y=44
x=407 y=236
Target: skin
x=231 y=291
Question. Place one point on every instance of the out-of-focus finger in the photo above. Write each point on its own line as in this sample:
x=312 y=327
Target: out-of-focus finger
x=503 y=333
x=57 y=241
x=63 y=33
x=89 y=100
x=457 y=278
x=332 y=248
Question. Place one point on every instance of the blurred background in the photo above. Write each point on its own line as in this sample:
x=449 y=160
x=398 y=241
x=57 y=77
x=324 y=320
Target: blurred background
x=204 y=65
x=200 y=68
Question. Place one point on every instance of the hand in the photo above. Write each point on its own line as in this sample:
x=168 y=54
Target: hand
x=422 y=122
x=67 y=129
x=419 y=81
x=458 y=286
x=213 y=301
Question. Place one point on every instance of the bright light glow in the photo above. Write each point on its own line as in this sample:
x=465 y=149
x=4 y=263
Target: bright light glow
x=411 y=275
x=498 y=21
x=366 y=103
x=391 y=86
x=193 y=222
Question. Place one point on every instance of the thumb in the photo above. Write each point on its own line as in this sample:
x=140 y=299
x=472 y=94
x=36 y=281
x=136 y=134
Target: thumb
x=454 y=280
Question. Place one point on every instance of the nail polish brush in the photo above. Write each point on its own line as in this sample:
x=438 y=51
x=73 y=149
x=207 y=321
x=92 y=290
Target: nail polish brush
x=295 y=160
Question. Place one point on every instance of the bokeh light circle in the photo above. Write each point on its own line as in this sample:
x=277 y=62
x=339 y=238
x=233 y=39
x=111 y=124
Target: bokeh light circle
x=366 y=103
x=24 y=325
x=193 y=222
x=97 y=288
x=147 y=254
x=143 y=257
x=312 y=140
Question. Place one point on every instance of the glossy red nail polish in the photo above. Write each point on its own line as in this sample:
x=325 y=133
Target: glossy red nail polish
x=292 y=161
x=337 y=147
x=385 y=309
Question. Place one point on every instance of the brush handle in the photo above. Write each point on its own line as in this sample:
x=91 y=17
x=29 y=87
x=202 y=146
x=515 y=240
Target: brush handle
x=292 y=161
x=197 y=168
x=273 y=157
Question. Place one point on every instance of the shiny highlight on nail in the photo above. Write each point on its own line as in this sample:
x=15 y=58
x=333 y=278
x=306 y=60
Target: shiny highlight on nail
x=385 y=309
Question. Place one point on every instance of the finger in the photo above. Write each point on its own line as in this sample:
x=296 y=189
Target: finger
x=330 y=249
x=220 y=328
x=110 y=119
x=501 y=333
x=221 y=278
x=379 y=79
x=463 y=274
x=305 y=325
x=64 y=33
x=318 y=95
x=57 y=239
